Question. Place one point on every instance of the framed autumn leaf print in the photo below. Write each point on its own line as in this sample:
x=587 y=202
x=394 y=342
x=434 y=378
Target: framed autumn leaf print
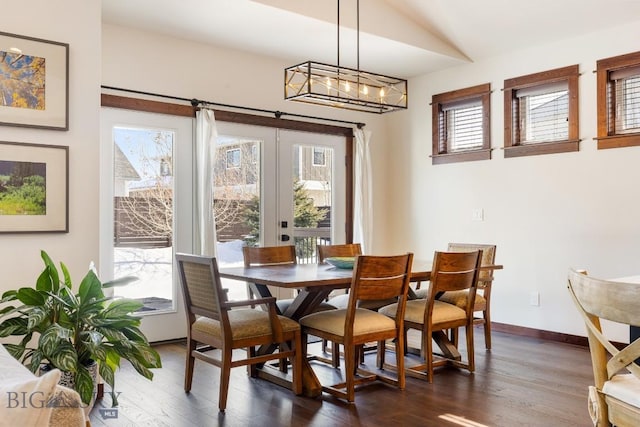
x=34 y=82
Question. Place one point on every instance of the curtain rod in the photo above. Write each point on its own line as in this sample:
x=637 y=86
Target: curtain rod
x=195 y=102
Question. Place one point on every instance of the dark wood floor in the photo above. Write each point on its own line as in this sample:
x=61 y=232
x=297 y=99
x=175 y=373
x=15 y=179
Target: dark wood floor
x=520 y=382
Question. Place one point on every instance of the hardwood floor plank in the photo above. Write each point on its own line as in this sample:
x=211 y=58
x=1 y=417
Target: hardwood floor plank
x=522 y=381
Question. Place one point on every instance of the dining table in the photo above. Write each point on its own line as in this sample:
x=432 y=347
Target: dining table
x=314 y=283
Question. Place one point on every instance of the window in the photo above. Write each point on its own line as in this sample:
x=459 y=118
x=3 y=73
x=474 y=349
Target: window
x=319 y=156
x=618 y=96
x=461 y=129
x=541 y=113
x=233 y=158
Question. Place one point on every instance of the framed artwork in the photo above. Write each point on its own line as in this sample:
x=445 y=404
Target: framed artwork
x=34 y=82
x=34 y=188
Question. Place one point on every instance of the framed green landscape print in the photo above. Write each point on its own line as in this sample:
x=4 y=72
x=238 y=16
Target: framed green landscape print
x=34 y=82
x=34 y=188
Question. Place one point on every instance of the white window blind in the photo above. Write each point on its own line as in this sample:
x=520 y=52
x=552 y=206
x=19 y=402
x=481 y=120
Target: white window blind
x=543 y=113
x=462 y=126
x=627 y=96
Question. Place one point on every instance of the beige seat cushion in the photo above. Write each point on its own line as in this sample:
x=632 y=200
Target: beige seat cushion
x=624 y=387
x=283 y=304
x=458 y=298
x=333 y=322
x=342 y=301
x=244 y=324
x=414 y=311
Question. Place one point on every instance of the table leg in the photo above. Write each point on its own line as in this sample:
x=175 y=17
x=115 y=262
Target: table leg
x=448 y=349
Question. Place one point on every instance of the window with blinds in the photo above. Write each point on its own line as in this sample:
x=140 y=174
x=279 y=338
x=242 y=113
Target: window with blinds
x=626 y=110
x=461 y=124
x=618 y=99
x=542 y=111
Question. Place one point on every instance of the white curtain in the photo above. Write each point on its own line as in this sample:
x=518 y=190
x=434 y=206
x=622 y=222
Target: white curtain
x=205 y=152
x=363 y=203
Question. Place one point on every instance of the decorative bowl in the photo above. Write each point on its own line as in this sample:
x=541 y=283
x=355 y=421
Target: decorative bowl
x=345 y=262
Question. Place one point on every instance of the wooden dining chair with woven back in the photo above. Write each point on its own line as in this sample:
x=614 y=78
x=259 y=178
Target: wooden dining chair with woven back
x=614 y=399
x=451 y=271
x=337 y=250
x=217 y=324
x=374 y=278
x=482 y=304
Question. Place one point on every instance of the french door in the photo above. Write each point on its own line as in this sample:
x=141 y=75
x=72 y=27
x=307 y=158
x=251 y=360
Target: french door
x=292 y=185
x=146 y=211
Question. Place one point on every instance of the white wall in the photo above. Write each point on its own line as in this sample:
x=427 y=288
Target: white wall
x=545 y=213
x=76 y=22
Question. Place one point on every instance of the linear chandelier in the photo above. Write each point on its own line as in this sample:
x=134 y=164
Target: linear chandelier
x=342 y=87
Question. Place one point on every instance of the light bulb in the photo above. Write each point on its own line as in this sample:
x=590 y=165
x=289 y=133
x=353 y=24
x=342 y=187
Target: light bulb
x=347 y=86
x=328 y=82
x=381 y=92
x=365 y=90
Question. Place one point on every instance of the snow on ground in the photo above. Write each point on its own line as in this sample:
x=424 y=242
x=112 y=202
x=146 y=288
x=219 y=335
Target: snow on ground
x=153 y=268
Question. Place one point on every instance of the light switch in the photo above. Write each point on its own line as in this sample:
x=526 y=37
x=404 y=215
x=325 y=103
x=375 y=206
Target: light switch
x=477 y=214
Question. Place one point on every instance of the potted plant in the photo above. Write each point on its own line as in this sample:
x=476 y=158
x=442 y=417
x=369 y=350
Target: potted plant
x=73 y=330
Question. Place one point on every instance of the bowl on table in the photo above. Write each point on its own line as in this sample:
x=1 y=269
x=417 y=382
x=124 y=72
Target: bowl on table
x=345 y=262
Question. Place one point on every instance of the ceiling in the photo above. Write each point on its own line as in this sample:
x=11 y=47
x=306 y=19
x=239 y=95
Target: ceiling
x=401 y=38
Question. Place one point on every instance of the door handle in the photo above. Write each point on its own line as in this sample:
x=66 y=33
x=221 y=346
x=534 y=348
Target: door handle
x=284 y=237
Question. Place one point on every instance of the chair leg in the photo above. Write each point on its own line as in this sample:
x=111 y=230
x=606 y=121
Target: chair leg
x=225 y=371
x=335 y=354
x=470 y=350
x=188 y=371
x=381 y=354
x=296 y=363
x=487 y=329
x=399 y=345
x=350 y=356
x=427 y=344
x=454 y=336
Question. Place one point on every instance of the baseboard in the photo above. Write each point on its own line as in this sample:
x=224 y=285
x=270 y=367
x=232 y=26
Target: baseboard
x=538 y=333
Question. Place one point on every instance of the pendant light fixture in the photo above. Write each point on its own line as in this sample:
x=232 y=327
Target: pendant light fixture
x=342 y=87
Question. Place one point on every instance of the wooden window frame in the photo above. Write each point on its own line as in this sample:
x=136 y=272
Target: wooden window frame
x=512 y=144
x=607 y=138
x=481 y=93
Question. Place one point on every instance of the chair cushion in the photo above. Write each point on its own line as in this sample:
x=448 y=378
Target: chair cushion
x=283 y=304
x=458 y=298
x=342 y=301
x=244 y=323
x=624 y=387
x=333 y=322
x=414 y=311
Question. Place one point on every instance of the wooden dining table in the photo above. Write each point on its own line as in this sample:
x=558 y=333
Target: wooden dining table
x=314 y=283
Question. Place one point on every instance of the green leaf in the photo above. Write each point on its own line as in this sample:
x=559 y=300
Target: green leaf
x=50 y=276
x=148 y=356
x=15 y=350
x=52 y=338
x=122 y=281
x=107 y=374
x=140 y=368
x=84 y=384
x=65 y=358
x=9 y=296
x=67 y=276
x=90 y=287
x=13 y=326
x=30 y=296
x=121 y=307
x=37 y=315
x=9 y=309
x=36 y=360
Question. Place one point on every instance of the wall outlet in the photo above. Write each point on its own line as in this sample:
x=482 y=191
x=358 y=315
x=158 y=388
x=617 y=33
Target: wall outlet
x=534 y=298
x=477 y=214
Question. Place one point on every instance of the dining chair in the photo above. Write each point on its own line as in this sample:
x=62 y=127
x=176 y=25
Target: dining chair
x=337 y=250
x=223 y=325
x=451 y=271
x=277 y=255
x=614 y=399
x=374 y=278
x=483 y=296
